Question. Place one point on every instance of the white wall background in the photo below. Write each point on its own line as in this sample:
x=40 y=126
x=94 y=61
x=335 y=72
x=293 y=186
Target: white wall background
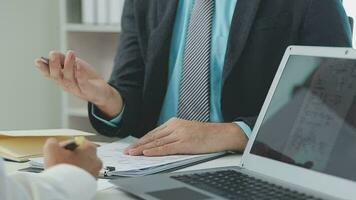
x=28 y=29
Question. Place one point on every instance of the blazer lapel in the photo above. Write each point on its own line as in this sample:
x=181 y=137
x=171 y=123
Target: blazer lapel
x=159 y=41
x=241 y=24
x=159 y=45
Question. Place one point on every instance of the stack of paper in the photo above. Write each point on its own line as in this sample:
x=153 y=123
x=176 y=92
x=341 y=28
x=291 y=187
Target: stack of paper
x=22 y=145
x=125 y=165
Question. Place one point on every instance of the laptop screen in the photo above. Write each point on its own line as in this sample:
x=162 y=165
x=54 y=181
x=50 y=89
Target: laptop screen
x=311 y=119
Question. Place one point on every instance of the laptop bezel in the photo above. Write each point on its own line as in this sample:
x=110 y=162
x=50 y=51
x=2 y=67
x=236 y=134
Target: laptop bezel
x=324 y=183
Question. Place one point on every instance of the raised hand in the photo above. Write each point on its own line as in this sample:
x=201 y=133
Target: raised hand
x=77 y=77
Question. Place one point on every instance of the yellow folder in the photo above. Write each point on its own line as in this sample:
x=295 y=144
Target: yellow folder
x=22 y=145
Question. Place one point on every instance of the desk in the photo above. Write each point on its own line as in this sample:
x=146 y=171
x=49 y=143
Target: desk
x=114 y=194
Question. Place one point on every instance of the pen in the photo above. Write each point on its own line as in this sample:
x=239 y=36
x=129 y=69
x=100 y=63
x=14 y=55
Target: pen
x=106 y=171
x=74 y=144
x=45 y=60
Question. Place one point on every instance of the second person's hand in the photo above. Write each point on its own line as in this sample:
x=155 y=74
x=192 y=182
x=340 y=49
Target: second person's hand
x=178 y=136
x=77 y=77
x=84 y=156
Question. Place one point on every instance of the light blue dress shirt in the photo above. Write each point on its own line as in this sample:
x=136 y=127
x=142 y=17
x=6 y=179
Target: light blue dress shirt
x=224 y=11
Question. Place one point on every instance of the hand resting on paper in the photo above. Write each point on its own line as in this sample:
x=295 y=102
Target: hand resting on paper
x=179 y=136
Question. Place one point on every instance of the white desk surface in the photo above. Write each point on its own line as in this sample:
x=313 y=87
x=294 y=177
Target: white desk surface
x=113 y=193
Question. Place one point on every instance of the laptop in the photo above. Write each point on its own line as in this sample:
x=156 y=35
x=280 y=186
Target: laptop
x=303 y=144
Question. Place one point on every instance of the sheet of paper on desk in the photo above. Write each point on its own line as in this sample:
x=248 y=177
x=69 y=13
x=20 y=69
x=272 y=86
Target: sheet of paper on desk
x=104 y=184
x=125 y=165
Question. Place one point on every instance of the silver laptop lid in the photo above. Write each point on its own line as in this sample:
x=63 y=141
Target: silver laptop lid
x=306 y=131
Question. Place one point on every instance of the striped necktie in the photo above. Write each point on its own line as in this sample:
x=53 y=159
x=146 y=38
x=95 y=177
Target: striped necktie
x=194 y=93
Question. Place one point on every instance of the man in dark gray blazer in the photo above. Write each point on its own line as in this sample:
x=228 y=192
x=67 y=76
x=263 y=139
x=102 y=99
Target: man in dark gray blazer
x=198 y=70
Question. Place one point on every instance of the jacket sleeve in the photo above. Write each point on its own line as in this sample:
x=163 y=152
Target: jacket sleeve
x=325 y=24
x=62 y=182
x=127 y=77
x=249 y=121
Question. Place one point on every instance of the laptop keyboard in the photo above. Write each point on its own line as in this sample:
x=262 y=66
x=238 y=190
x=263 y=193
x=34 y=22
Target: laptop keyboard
x=235 y=185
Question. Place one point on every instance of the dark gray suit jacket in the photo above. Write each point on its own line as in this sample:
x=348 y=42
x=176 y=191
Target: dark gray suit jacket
x=260 y=32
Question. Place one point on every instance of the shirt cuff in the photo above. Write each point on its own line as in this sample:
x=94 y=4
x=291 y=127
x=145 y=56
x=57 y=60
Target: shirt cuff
x=77 y=183
x=113 y=122
x=247 y=130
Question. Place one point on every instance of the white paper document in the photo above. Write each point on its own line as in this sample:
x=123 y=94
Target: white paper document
x=125 y=165
x=104 y=184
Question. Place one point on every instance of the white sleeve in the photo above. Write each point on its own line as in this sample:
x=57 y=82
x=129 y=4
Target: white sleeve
x=62 y=182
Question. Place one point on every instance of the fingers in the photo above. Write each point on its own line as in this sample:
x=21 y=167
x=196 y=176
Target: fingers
x=62 y=69
x=69 y=70
x=98 y=165
x=69 y=63
x=51 y=145
x=56 y=61
x=43 y=67
x=81 y=70
x=80 y=75
x=168 y=149
x=89 y=150
x=51 y=151
x=151 y=145
x=64 y=143
x=87 y=146
x=149 y=137
x=84 y=156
